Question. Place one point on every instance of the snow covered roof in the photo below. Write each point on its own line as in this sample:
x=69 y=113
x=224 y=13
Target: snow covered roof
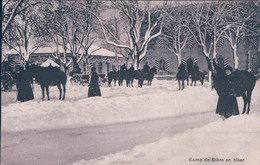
x=93 y=51
x=49 y=62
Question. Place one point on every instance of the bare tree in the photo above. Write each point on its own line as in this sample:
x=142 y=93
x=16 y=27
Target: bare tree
x=21 y=32
x=175 y=30
x=11 y=9
x=71 y=28
x=240 y=24
x=208 y=25
x=143 y=24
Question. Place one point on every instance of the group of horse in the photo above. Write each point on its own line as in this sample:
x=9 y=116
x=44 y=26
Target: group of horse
x=53 y=76
x=183 y=75
x=129 y=75
x=242 y=84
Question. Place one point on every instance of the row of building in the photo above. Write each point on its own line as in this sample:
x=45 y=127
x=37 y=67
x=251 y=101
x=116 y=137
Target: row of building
x=164 y=60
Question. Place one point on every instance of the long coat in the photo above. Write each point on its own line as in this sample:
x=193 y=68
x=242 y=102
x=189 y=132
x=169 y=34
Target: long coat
x=227 y=104
x=24 y=88
x=94 y=89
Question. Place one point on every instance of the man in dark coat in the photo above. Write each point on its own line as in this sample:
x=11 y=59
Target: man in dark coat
x=23 y=85
x=196 y=68
x=182 y=66
x=94 y=89
x=123 y=68
x=146 y=68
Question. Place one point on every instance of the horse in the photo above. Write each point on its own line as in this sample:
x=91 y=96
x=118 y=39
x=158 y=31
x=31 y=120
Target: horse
x=121 y=75
x=242 y=84
x=150 y=75
x=112 y=76
x=48 y=76
x=129 y=77
x=139 y=75
x=198 y=75
x=182 y=75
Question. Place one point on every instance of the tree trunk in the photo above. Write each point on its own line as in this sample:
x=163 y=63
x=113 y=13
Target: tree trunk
x=136 y=62
x=215 y=50
x=210 y=71
x=236 y=59
x=178 y=58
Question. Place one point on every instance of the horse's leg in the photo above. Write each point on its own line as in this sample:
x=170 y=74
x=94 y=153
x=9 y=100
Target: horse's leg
x=179 y=84
x=42 y=87
x=183 y=84
x=245 y=102
x=64 y=90
x=249 y=93
x=195 y=83
x=60 y=90
x=47 y=92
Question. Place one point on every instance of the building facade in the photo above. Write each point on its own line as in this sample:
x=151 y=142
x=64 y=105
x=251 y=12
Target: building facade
x=166 y=62
x=103 y=59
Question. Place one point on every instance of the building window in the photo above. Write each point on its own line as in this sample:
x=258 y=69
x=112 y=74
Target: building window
x=100 y=67
x=220 y=62
x=162 y=64
x=254 y=64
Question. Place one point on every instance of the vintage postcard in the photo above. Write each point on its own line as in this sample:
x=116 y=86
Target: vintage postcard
x=129 y=82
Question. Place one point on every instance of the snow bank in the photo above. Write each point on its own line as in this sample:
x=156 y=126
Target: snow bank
x=231 y=142
x=117 y=104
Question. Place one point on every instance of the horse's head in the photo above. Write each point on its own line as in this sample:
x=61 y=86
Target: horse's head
x=33 y=70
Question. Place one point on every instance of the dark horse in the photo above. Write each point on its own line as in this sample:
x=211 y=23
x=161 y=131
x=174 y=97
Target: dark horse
x=121 y=76
x=141 y=76
x=198 y=76
x=182 y=75
x=242 y=84
x=48 y=76
x=130 y=77
x=150 y=75
x=112 y=76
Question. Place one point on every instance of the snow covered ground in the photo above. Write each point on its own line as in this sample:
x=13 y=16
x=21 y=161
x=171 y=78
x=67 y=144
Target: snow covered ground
x=117 y=104
x=231 y=142
x=236 y=138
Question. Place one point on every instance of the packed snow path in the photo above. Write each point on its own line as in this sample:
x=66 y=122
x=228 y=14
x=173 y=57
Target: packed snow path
x=65 y=146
